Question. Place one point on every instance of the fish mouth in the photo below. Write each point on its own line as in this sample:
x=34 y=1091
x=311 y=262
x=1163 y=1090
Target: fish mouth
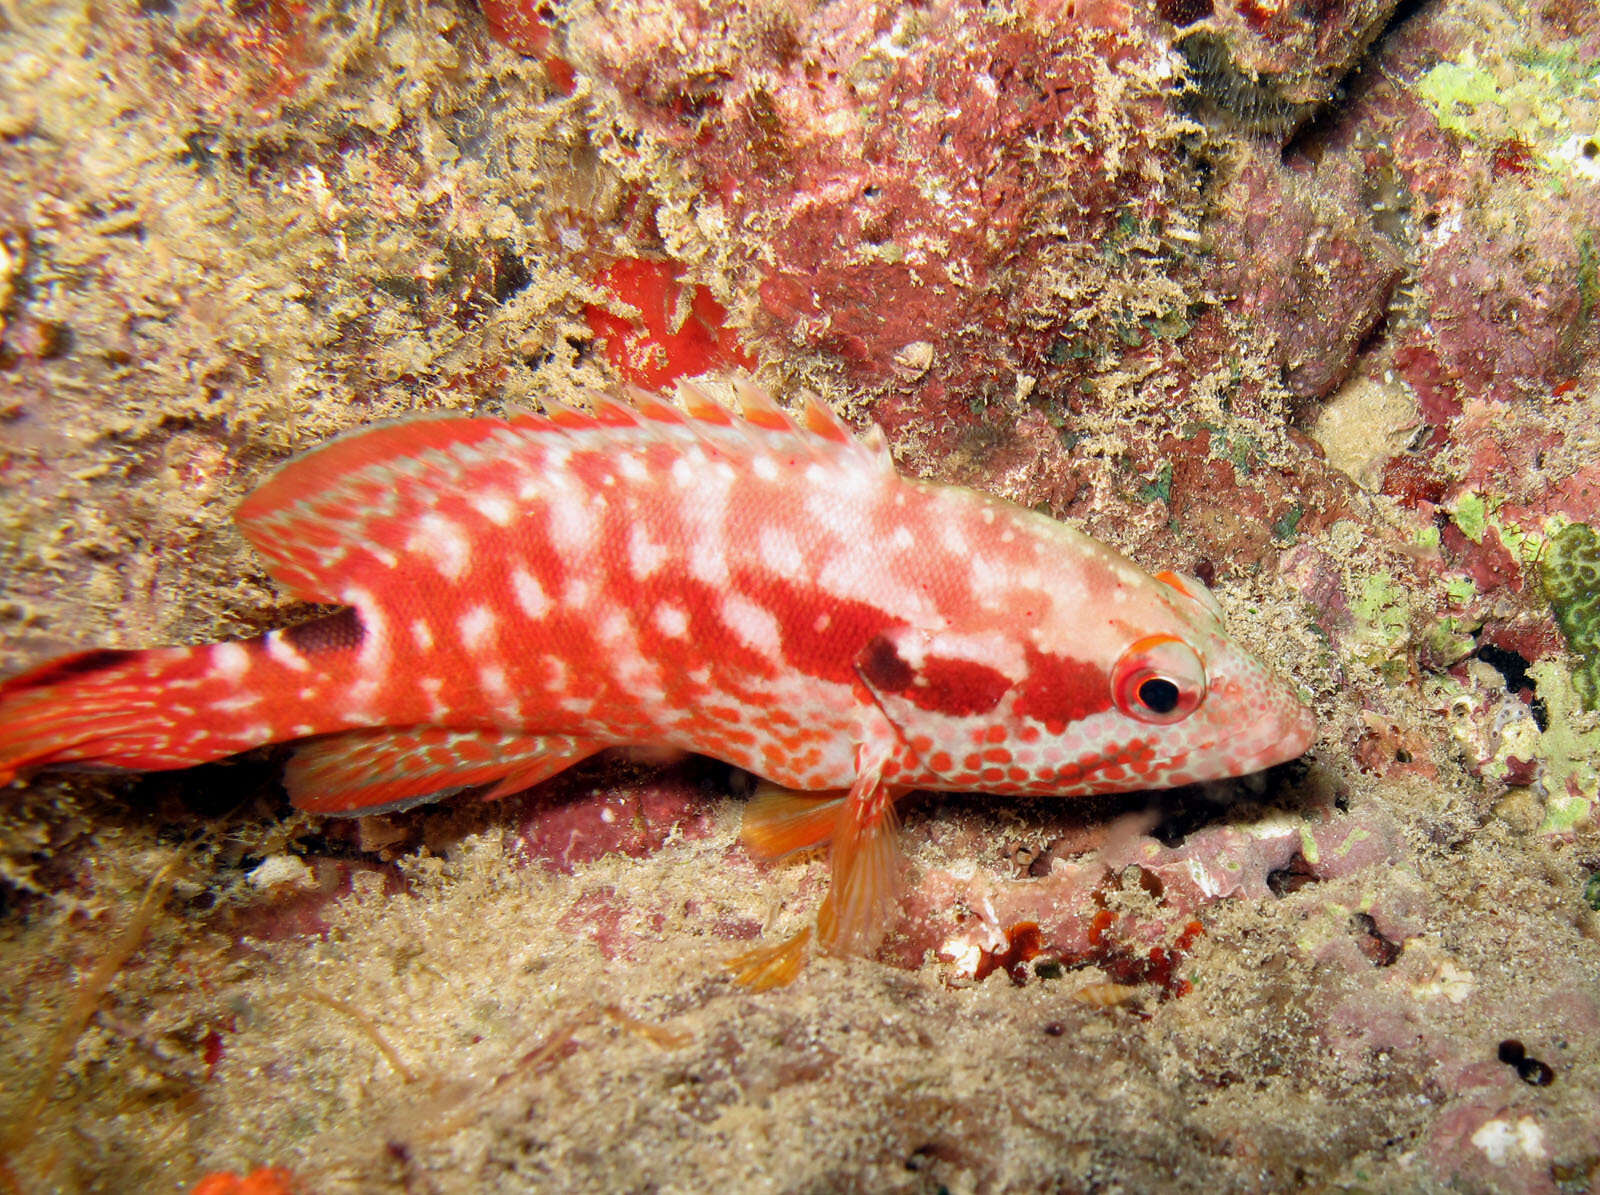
x=1281 y=739
x=1283 y=733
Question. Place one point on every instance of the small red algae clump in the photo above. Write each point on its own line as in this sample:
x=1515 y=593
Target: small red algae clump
x=267 y=1180
x=518 y=24
x=524 y=26
x=680 y=332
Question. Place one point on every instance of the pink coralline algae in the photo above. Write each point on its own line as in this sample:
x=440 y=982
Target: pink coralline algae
x=1299 y=260
x=919 y=193
x=1474 y=167
x=1065 y=909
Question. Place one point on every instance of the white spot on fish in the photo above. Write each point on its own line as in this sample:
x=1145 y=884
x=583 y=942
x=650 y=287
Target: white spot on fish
x=779 y=551
x=234 y=705
x=431 y=685
x=576 y=593
x=903 y=539
x=645 y=556
x=492 y=680
x=281 y=651
x=682 y=473
x=572 y=522
x=632 y=468
x=443 y=543
x=530 y=595
x=754 y=625
x=422 y=634
x=476 y=628
x=495 y=507
x=557 y=668
x=707 y=562
x=765 y=468
x=230 y=660
x=671 y=621
x=822 y=622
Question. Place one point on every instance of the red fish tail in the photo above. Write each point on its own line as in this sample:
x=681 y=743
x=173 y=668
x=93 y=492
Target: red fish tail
x=139 y=710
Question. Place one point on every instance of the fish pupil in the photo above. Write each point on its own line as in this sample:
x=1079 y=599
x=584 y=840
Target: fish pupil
x=1160 y=696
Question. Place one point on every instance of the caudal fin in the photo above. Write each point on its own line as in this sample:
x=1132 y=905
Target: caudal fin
x=150 y=710
x=70 y=709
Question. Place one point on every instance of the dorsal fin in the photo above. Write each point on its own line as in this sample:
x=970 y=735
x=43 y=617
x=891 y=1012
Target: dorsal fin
x=302 y=516
x=820 y=418
x=562 y=415
x=336 y=521
x=610 y=411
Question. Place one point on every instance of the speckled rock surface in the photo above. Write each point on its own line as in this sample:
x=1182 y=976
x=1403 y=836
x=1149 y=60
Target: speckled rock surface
x=1296 y=298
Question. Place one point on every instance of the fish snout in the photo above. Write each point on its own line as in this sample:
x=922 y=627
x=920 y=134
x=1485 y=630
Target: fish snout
x=1269 y=723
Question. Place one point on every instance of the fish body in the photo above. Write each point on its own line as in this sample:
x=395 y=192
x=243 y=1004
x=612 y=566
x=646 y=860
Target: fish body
x=518 y=594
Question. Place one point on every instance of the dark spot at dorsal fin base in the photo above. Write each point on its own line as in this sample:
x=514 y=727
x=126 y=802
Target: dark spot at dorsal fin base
x=883 y=668
x=341 y=631
x=69 y=668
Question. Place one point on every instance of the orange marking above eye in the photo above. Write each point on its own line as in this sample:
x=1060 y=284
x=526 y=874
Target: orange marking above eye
x=1172 y=579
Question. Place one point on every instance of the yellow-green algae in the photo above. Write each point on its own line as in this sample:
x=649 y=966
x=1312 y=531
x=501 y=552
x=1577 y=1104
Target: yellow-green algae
x=1546 y=96
x=1569 y=574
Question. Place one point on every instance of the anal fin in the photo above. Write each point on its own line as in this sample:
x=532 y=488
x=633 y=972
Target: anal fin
x=381 y=770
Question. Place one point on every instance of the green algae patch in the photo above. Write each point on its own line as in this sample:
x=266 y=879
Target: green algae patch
x=1546 y=97
x=1570 y=747
x=1569 y=575
x=1471 y=514
x=1382 y=609
x=1454 y=92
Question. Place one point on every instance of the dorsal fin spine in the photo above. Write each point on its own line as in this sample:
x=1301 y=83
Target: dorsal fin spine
x=702 y=406
x=820 y=418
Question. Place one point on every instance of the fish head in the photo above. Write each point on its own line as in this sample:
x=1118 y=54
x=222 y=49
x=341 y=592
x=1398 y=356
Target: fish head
x=1132 y=683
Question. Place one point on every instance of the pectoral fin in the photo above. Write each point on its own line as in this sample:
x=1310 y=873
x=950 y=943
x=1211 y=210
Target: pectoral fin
x=780 y=821
x=863 y=857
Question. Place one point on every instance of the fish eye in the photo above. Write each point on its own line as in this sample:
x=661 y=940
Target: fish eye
x=1159 y=680
x=1158 y=694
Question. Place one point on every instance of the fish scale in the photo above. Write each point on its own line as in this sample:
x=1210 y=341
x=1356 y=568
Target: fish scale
x=521 y=593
